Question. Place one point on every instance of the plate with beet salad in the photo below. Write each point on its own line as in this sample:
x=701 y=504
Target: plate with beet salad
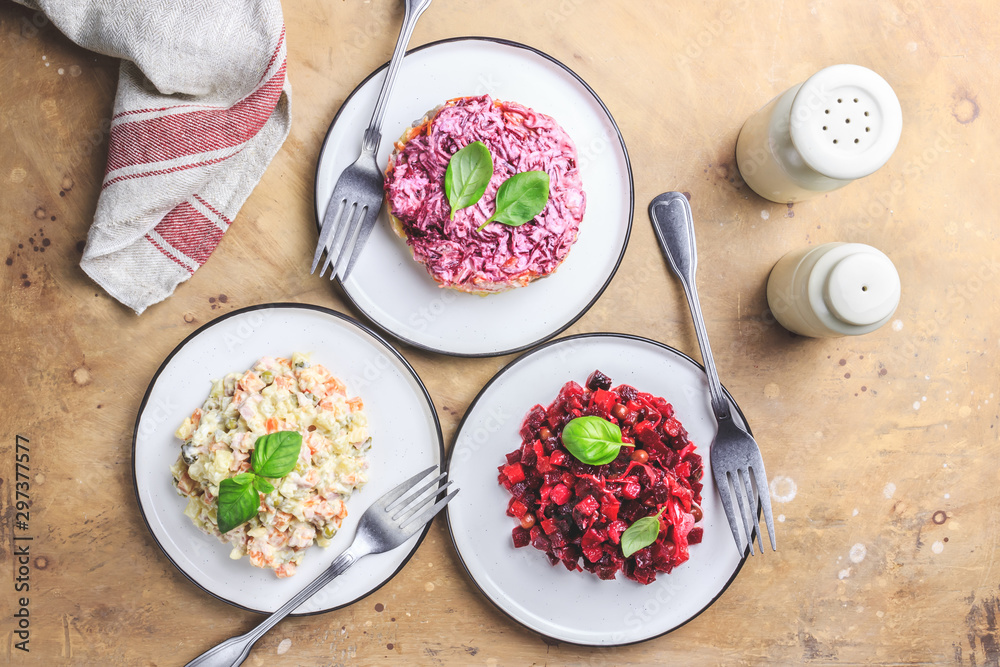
x=590 y=514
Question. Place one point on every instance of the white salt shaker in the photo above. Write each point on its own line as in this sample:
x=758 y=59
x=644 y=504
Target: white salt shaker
x=836 y=289
x=841 y=124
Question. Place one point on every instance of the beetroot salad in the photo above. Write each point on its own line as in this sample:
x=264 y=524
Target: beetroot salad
x=576 y=513
x=500 y=256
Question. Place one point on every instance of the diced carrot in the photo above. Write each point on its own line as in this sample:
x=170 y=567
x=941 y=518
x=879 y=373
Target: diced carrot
x=271 y=424
x=334 y=386
x=285 y=570
x=356 y=404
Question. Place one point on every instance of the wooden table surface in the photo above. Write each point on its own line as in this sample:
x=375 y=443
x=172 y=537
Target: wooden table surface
x=881 y=449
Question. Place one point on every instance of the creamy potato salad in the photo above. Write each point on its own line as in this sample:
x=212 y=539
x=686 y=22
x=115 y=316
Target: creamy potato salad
x=307 y=505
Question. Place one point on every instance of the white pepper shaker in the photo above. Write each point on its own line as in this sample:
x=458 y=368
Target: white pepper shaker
x=836 y=289
x=843 y=123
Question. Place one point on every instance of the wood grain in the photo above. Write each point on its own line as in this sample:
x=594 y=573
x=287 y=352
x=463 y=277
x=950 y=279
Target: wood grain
x=882 y=449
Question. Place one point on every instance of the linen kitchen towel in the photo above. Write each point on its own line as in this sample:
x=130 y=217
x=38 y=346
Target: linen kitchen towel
x=202 y=106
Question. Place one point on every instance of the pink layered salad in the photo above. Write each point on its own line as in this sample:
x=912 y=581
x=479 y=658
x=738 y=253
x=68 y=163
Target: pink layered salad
x=500 y=256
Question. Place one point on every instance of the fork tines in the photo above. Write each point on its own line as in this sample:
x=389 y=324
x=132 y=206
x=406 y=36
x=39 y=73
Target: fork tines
x=404 y=509
x=738 y=482
x=339 y=238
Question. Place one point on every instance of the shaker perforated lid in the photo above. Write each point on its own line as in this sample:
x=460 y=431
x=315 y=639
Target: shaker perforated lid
x=862 y=288
x=846 y=121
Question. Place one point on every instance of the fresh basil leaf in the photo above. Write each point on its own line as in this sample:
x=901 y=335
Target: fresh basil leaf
x=467 y=176
x=275 y=454
x=244 y=478
x=641 y=534
x=238 y=502
x=593 y=440
x=262 y=485
x=520 y=198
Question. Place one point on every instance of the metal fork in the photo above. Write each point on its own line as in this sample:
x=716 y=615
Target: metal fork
x=357 y=197
x=389 y=522
x=735 y=455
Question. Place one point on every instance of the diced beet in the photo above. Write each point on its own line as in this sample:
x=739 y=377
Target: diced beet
x=631 y=489
x=588 y=506
x=517 y=508
x=609 y=508
x=514 y=472
x=603 y=401
x=521 y=537
x=558 y=539
x=615 y=530
x=557 y=458
x=672 y=427
x=696 y=535
x=543 y=465
x=514 y=456
x=528 y=454
x=518 y=490
x=543 y=493
x=552 y=478
x=549 y=526
x=598 y=380
x=627 y=392
x=539 y=541
x=593 y=538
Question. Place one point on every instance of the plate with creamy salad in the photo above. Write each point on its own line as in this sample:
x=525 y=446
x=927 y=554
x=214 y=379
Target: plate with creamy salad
x=358 y=414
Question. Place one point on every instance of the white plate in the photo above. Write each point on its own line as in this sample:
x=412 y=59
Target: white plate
x=406 y=437
x=578 y=607
x=393 y=290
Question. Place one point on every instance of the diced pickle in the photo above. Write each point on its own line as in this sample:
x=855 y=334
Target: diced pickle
x=189 y=452
x=267 y=377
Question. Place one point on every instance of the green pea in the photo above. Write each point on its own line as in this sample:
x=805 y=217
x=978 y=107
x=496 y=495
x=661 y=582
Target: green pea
x=267 y=377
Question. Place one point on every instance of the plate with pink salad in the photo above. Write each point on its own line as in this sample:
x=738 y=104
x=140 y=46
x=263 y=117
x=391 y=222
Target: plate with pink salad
x=468 y=277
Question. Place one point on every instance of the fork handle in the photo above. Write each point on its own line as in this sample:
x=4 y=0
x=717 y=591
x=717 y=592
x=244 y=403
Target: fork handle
x=235 y=650
x=414 y=8
x=674 y=227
